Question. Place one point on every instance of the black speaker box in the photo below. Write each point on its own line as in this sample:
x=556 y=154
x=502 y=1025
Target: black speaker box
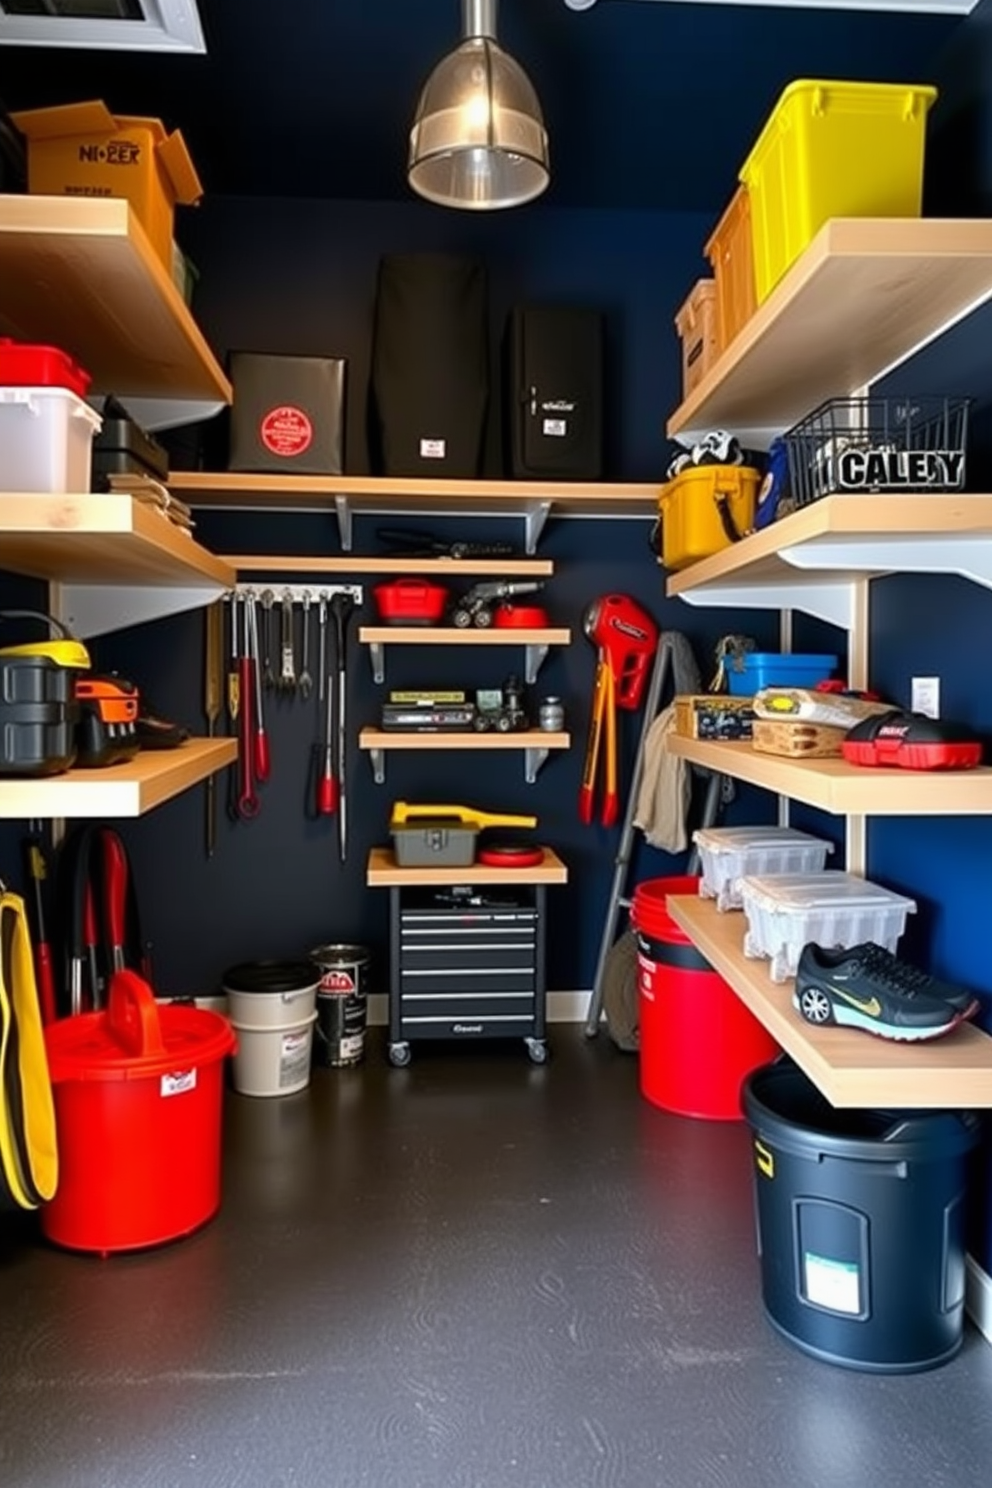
x=288 y=414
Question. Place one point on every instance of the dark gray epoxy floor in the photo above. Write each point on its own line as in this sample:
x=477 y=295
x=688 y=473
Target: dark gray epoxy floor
x=472 y=1273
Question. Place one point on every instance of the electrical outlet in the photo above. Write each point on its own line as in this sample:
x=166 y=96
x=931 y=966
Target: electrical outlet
x=926 y=696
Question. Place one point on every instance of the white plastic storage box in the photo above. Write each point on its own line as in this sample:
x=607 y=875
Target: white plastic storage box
x=46 y=440
x=835 y=910
x=726 y=854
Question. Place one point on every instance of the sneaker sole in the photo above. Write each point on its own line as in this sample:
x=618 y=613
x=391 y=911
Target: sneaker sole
x=848 y=1017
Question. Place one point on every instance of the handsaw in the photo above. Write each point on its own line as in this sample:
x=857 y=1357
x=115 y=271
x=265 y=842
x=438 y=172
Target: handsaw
x=213 y=671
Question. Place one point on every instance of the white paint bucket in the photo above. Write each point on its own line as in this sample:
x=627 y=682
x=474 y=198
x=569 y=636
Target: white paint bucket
x=273 y=1008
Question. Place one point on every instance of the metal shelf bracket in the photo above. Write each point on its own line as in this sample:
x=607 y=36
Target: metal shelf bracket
x=377 y=656
x=533 y=760
x=344 y=522
x=534 y=520
x=378 y=758
x=534 y=657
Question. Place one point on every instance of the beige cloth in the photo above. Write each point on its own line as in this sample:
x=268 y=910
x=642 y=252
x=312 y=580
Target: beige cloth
x=665 y=790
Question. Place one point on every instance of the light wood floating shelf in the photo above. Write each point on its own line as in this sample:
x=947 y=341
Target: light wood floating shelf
x=382 y=872
x=864 y=296
x=351 y=495
x=80 y=273
x=440 y=568
x=118 y=560
x=128 y=789
x=534 y=743
x=849 y=1067
x=814 y=557
x=534 y=642
x=834 y=785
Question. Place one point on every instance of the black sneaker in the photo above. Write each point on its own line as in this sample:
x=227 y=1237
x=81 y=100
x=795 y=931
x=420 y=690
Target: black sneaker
x=867 y=987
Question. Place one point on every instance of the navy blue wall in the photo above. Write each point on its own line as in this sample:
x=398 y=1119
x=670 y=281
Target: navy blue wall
x=300 y=277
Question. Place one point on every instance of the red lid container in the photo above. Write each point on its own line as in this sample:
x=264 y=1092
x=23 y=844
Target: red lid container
x=24 y=365
x=138 y=1092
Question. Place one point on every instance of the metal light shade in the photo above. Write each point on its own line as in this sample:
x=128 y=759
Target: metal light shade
x=478 y=139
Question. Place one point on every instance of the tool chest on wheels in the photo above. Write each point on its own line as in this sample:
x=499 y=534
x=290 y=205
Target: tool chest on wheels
x=467 y=963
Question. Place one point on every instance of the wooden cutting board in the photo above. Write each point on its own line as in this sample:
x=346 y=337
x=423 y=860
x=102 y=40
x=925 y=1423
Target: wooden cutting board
x=798 y=740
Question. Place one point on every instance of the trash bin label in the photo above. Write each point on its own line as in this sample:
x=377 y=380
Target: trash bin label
x=764 y=1159
x=835 y=1285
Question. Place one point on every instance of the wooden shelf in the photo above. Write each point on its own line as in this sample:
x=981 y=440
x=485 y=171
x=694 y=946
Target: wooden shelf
x=382 y=872
x=119 y=561
x=534 y=642
x=130 y=789
x=80 y=273
x=834 y=785
x=439 y=568
x=351 y=495
x=535 y=744
x=813 y=558
x=427 y=635
x=849 y=1067
x=863 y=297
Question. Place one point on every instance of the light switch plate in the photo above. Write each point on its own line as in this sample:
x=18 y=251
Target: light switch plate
x=926 y=696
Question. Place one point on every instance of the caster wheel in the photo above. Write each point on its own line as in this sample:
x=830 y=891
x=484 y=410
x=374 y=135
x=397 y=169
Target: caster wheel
x=537 y=1050
x=399 y=1055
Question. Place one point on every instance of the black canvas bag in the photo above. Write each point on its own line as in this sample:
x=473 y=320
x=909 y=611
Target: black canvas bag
x=553 y=370
x=429 y=391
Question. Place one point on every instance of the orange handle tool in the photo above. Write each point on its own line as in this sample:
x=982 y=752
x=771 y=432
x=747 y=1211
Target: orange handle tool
x=593 y=738
x=611 y=804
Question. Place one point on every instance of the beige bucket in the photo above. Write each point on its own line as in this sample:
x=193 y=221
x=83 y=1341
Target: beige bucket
x=273 y=1009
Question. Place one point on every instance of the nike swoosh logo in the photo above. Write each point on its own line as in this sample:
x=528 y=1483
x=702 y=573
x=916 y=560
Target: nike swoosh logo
x=871 y=1006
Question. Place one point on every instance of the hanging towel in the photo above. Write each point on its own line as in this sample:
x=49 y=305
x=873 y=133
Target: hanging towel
x=28 y=1151
x=662 y=807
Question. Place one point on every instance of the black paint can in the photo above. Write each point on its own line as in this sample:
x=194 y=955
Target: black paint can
x=342 y=1004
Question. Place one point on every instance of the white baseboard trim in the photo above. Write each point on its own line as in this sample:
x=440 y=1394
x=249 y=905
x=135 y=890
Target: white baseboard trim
x=563 y=1007
x=978 y=1297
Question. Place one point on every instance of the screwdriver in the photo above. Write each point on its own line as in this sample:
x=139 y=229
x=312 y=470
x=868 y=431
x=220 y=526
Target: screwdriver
x=327 y=786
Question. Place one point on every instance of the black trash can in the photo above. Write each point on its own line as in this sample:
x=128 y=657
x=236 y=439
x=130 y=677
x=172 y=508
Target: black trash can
x=861 y=1224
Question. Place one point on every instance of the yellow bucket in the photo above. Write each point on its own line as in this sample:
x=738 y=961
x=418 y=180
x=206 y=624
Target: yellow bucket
x=702 y=509
x=832 y=149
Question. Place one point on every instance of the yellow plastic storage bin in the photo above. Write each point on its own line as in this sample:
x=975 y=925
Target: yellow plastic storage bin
x=705 y=508
x=832 y=149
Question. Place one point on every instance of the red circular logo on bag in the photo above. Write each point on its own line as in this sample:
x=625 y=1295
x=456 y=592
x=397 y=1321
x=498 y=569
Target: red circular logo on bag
x=286 y=431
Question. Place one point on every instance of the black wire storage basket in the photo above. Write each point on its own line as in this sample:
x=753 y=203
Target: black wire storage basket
x=878 y=444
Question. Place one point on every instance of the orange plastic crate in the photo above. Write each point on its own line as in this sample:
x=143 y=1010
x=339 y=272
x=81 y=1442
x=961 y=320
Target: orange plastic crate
x=731 y=253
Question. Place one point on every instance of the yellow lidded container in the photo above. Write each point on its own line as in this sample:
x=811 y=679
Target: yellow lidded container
x=832 y=149
x=703 y=508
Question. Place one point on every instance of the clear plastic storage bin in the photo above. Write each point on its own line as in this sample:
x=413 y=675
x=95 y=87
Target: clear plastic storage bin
x=46 y=440
x=835 y=910
x=728 y=853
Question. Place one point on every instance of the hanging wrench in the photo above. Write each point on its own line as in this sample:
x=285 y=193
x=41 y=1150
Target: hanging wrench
x=305 y=683
x=287 y=658
x=322 y=649
x=267 y=601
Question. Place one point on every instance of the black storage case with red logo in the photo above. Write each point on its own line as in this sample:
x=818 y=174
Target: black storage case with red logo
x=288 y=414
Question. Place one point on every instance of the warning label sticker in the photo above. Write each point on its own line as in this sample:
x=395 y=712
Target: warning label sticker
x=294 y=1061
x=286 y=431
x=835 y=1285
x=177 y=1083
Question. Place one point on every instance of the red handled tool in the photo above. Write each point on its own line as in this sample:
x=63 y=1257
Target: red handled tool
x=248 y=802
x=626 y=638
x=261 y=743
x=327 y=786
x=115 y=890
x=91 y=939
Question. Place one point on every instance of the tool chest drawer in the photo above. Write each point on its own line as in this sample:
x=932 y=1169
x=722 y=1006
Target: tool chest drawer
x=467 y=963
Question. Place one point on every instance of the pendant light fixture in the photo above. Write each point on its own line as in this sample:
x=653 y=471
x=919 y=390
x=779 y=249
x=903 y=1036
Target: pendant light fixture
x=478 y=139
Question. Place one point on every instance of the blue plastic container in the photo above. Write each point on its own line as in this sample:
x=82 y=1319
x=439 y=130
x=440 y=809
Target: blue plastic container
x=778 y=669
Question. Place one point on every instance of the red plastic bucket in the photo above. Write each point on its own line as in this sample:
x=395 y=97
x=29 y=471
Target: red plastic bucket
x=138 y=1092
x=698 y=1042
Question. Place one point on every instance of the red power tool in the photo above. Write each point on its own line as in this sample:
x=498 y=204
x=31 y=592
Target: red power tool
x=626 y=638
